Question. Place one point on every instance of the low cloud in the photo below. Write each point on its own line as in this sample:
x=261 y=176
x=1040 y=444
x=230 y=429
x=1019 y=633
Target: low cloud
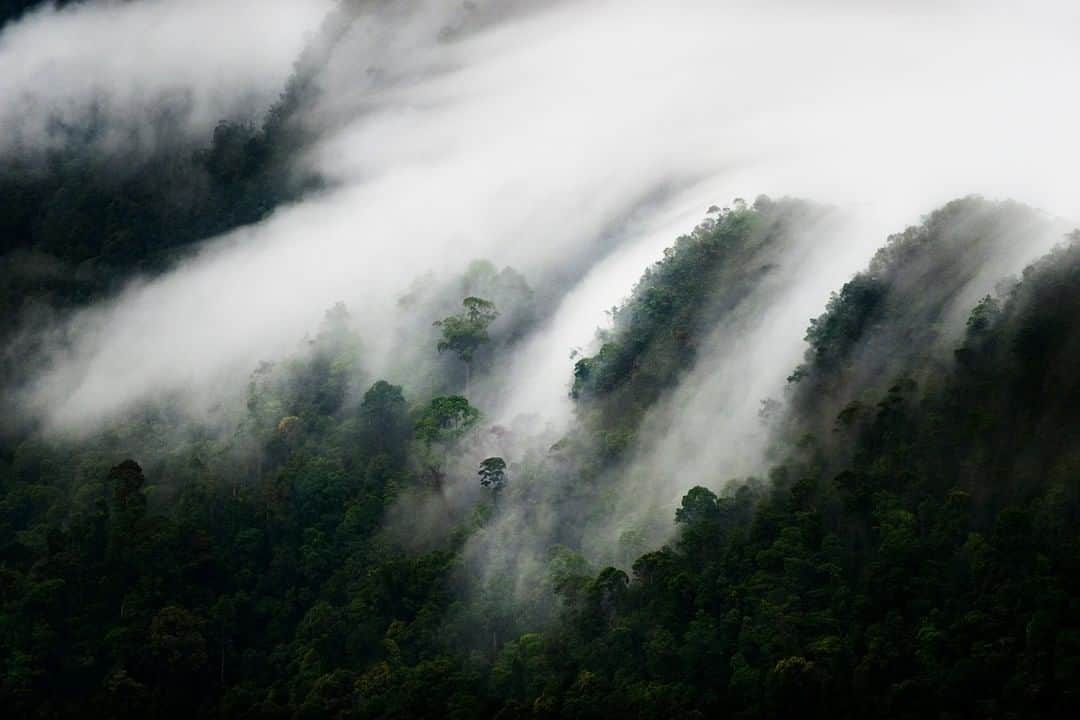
x=541 y=138
x=131 y=74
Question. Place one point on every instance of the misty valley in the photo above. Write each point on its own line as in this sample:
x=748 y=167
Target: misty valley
x=401 y=369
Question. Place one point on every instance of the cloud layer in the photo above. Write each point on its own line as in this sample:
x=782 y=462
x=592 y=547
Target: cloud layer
x=569 y=140
x=133 y=70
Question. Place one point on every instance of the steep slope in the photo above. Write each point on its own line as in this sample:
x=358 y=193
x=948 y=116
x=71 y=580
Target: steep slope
x=913 y=554
x=708 y=276
x=900 y=318
x=928 y=567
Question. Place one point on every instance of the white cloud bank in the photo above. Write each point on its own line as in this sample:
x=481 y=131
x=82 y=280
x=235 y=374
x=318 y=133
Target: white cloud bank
x=130 y=65
x=527 y=140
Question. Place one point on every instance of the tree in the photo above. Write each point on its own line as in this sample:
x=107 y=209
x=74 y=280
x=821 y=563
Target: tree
x=384 y=419
x=441 y=424
x=126 y=548
x=446 y=419
x=467 y=331
x=127 y=484
x=700 y=506
x=493 y=475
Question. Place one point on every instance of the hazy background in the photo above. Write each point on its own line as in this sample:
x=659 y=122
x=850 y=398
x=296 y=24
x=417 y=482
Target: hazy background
x=141 y=70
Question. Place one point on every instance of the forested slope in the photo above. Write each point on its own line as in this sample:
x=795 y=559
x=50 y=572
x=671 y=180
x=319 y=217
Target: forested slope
x=927 y=567
x=707 y=276
x=912 y=549
x=76 y=225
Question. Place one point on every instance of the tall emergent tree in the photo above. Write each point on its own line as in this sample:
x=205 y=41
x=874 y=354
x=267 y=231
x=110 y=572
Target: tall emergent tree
x=438 y=427
x=493 y=475
x=467 y=331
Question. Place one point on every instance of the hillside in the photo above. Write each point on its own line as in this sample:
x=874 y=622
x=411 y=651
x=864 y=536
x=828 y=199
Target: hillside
x=916 y=553
x=539 y=360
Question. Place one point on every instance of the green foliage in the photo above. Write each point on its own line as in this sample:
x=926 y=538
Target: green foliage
x=492 y=474
x=704 y=279
x=892 y=320
x=931 y=570
x=75 y=224
x=466 y=332
x=922 y=563
x=260 y=560
x=446 y=419
x=78 y=221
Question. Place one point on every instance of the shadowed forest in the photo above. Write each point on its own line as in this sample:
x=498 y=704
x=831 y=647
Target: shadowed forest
x=334 y=538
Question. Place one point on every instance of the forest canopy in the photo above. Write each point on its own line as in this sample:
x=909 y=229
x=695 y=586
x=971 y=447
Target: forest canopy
x=395 y=365
x=917 y=553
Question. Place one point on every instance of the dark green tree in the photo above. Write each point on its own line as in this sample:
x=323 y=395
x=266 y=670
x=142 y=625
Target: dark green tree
x=438 y=428
x=493 y=475
x=465 y=332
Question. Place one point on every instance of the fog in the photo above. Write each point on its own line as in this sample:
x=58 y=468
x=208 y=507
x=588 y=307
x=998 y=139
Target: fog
x=572 y=141
x=137 y=71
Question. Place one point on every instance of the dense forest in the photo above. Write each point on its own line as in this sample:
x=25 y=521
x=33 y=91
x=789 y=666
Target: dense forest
x=916 y=552
x=331 y=542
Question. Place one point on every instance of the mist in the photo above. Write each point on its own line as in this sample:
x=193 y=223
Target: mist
x=132 y=75
x=571 y=142
x=526 y=141
x=484 y=358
